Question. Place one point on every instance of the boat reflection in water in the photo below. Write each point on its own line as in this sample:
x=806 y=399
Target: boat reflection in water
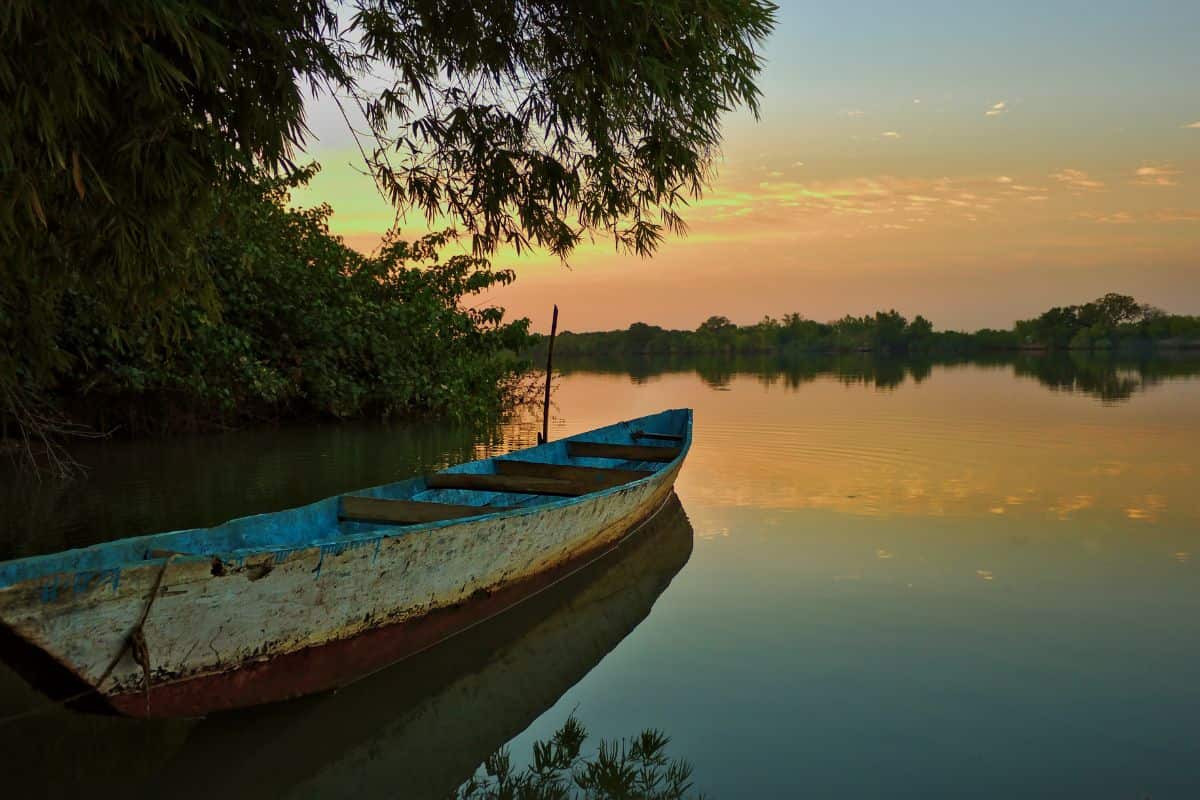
x=417 y=729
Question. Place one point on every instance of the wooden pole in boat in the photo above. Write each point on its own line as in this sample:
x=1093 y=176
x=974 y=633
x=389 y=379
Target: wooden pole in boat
x=545 y=436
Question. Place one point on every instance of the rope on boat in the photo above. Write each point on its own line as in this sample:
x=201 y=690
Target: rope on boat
x=135 y=642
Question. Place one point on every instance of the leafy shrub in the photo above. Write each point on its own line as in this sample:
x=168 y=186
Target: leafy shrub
x=305 y=327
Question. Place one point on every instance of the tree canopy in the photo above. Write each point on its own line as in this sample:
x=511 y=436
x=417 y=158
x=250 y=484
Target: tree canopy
x=542 y=121
x=519 y=122
x=118 y=124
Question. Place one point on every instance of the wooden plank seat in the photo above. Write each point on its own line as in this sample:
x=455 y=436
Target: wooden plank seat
x=625 y=452
x=518 y=484
x=405 y=512
x=658 y=437
x=597 y=477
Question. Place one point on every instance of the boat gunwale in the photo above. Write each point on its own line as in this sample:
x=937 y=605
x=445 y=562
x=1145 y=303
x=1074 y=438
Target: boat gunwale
x=344 y=541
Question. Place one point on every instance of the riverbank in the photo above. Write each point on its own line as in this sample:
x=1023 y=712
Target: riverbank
x=292 y=325
x=1109 y=323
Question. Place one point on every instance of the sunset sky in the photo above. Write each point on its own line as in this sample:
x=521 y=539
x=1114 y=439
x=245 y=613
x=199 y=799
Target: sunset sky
x=972 y=162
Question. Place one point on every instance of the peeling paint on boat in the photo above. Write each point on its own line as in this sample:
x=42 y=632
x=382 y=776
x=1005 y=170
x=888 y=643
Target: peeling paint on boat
x=234 y=599
x=414 y=728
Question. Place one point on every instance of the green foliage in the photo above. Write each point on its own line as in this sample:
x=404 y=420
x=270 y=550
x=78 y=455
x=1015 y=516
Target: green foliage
x=525 y=122
x=117 y=122
x=1112 y=321
x=308 y=327
x=887 y=332
x=544 y=121
x=1108 y=321
x=637 y=768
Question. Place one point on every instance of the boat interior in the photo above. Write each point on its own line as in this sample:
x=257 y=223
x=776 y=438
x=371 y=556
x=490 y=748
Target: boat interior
x=557 y=471
x=592 y=462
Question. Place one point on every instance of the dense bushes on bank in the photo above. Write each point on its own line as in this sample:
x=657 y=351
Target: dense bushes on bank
x=883 y=332
x=303 y=326
x=122 y=126
x=1112 y=321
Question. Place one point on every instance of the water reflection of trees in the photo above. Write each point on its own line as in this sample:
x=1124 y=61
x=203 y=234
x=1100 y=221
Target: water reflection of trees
x=151 y=485
x=1111 y=377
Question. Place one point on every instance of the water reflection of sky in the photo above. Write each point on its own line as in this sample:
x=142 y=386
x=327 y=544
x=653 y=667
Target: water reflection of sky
x=966 y=443
x=970 y=585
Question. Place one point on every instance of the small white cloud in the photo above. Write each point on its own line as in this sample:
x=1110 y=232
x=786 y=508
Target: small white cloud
x=997 y=109
x=853 y=112
x=1156 y=175
x=917 y=101
x=1004 y=179
x=1114 y=218
x=797 y=163
x=891 y=135
x=1077 y=179
x=774 y=174
x=1193 y=125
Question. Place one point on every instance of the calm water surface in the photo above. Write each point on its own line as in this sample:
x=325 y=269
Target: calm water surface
x=882 y=580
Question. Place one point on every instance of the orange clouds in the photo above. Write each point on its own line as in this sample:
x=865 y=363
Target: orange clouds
x=1077 y=179
x=958 y=229
x=1176 y=215
x=1152 y=175
x=736 y=209
x=1115 y=218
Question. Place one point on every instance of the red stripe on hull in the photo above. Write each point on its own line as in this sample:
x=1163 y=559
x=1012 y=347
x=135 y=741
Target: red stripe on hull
x=335 y=664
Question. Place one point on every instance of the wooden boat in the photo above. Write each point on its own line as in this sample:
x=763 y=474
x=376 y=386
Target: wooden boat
x=279 y=605
x=414 y=727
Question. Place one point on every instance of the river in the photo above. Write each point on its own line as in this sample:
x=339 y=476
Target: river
x=882 y=578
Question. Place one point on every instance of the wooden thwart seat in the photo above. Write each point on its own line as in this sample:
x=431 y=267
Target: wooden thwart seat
x=597 y=477
x=658 y=437
x=514 y=476
x=625 y=452
x=519 y=484
x=406 y=512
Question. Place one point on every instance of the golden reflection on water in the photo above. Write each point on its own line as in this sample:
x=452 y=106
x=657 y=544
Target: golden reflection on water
x=965 y=442
x=948 y=582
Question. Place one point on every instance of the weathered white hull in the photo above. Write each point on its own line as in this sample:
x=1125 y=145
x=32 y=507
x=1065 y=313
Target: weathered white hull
x=419 y=726
x=226 y=632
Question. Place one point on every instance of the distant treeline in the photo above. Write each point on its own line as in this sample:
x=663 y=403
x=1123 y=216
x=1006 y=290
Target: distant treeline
x=1113 y=321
